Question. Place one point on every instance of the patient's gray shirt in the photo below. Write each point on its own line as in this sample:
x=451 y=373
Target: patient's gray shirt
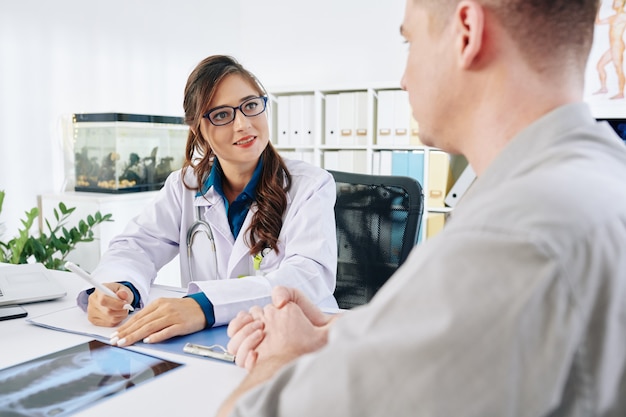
x=517 y=308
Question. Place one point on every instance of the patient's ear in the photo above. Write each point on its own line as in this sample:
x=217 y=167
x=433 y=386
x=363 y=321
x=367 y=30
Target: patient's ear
x=469 y=21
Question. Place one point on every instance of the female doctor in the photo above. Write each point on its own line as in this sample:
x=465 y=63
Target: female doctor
x=242 y=220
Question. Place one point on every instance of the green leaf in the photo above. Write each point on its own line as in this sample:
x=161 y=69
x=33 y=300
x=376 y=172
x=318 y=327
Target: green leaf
x=83 y=227
x=38 y=250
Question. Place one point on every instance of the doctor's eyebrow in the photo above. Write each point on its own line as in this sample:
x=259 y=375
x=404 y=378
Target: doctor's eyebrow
x=248 y=97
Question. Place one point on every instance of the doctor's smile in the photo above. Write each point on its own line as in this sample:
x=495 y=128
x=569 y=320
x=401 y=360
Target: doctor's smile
x=245 y=141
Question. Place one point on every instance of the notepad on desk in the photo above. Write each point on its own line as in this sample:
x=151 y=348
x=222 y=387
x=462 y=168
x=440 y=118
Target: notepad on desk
x=74 y=320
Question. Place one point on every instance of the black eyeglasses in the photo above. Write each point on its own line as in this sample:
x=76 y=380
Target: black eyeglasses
x=224 y=115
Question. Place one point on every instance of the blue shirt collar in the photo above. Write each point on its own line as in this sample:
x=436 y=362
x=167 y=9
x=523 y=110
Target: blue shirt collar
x=238 y=210
x=215 y=180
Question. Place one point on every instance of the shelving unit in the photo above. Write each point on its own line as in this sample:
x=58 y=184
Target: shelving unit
x=306 y=127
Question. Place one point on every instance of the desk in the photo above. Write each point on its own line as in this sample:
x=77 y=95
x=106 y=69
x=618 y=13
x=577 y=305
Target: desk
x=199 y=387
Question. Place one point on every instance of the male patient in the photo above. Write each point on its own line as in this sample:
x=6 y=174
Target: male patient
x=518 y=307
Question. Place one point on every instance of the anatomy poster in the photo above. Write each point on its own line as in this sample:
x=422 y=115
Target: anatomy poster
x=604 y=80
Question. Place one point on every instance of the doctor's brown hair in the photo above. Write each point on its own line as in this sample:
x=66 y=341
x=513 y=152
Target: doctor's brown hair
x=271 y=192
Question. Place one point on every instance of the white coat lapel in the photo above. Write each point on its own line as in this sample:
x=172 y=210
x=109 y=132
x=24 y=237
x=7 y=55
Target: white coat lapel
x=240 y=261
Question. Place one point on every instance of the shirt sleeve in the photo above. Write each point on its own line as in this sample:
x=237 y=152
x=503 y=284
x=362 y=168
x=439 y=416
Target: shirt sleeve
x=205 y=305
x=82 y=299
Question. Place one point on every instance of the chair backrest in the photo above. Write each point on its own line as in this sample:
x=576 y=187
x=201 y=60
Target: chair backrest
x=378 y=219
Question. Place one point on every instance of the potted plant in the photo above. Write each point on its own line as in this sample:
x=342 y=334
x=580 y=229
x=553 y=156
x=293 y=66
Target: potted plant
x=49 y=248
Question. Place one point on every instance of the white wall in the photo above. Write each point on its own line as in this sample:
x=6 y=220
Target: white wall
x=133 y=56
x=324 y=42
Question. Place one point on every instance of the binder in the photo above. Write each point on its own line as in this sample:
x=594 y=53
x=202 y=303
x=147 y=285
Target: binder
x=282 y=121
x=376 y=163
x=438 y=178
x=308 y=120
x=465 y=180
x=385 y=118
x=346 y=119
x=361 y=119
x=353 y=161
x=400 y=163
x=308 y=156
x=415 y=166
x=415 y=140
x=331 y=160
x=434 y=224
x=296 y=118
x=385 y=162
x=331 y=120
x=402 y=118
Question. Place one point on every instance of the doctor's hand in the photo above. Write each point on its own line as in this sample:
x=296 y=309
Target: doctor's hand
x=160 y=320
x=246 y=330
x=106 y=311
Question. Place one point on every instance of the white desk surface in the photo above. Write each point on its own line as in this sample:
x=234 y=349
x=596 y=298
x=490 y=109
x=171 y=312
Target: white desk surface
x=198 y=388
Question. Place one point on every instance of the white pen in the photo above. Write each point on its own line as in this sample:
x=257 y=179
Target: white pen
x=85 y=275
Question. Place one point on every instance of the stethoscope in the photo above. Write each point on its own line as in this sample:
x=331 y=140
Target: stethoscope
x=200 y=226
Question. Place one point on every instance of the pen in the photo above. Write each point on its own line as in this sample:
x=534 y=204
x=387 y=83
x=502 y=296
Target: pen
x=213 y=351
x=84 y=275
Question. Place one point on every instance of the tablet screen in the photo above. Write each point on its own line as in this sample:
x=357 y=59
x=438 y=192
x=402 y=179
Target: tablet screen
x=63 y=382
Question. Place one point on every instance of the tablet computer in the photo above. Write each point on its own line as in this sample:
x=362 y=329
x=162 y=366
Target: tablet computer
x=66 y=381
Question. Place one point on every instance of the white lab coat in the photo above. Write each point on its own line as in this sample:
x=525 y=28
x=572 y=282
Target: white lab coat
x=307 y=256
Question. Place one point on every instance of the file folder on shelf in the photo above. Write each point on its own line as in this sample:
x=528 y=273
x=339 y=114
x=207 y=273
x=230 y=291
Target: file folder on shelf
x=415 y=133
x=308 y=120
x=434 y=224
x=385 y=118
x=282 y=121
x=382 y=162
x=408 y=164
x=331 y=160
x=416 y=166
x=438 y=178
x=402 y=118
x=331 y=120
x=353 y=161
x=460 y=186
x=347 y=136
x=296 y=117
x=361 y=119
x=400 y=163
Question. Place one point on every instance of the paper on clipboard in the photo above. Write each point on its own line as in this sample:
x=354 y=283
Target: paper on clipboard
x=74 y=320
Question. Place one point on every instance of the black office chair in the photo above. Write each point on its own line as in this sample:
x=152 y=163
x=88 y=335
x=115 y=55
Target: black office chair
x=378 y=219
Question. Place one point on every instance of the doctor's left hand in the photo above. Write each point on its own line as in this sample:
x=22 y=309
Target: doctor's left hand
x=160 y=320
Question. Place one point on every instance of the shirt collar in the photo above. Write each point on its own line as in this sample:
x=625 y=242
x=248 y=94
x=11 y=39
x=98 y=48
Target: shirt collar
x=215 y=180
